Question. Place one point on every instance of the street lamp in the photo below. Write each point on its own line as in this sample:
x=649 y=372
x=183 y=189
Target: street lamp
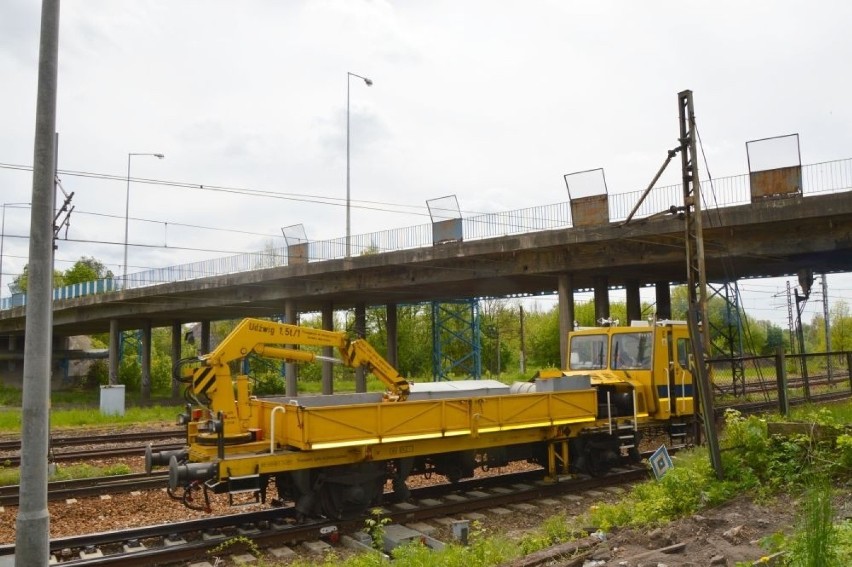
x=348 y=229
x=127 y=207
x=3 y=238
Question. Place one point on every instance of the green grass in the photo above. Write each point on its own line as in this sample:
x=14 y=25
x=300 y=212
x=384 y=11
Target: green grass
x=829 y=414
x=10 y=418
x=11 y=476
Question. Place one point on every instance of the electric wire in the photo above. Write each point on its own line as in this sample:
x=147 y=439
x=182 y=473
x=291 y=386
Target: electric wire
x=381 y=206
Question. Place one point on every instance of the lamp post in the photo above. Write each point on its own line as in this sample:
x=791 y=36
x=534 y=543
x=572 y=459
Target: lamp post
x=3 y=238
x=127 y=206
x=369 y=83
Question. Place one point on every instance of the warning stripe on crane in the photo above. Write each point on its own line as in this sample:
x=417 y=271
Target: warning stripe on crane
x=203 y=380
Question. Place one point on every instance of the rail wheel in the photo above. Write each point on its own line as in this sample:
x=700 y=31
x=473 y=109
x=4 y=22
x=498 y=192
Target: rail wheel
x=346 y=492
x=600 y=452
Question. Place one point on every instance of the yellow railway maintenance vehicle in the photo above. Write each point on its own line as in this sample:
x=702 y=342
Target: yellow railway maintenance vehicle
x=332 y=455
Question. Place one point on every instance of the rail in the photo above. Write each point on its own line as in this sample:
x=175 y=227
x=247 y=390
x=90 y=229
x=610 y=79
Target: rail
x=820 y=178
x=785 y=379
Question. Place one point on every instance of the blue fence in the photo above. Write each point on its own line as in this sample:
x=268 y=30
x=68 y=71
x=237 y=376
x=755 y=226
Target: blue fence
x=820 y=178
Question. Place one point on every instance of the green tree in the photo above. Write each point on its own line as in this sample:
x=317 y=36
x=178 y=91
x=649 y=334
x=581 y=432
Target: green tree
x=721 y=320
x=542 y=338
x=86 y=269
x=841 y=326
x=500 y=335
x=19 y=283
x=774 y=339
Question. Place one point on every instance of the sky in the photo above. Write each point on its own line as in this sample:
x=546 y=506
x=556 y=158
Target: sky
x=490 y=101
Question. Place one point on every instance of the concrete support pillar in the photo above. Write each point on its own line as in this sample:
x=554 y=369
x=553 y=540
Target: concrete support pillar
x=566 y=315
x=393 y=335
x=114 y=351
x=177 y=341
x=634 y=301
x=291 y=318
x=328 y=367
x=361 y=332
x=204 y=347
x=664 y=300
x=10 y=365
x=601 y=284
x=145 y=383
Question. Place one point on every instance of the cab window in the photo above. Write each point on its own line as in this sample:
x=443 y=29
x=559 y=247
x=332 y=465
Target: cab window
x=587 y=352
x=683 y=351
x=631 y=351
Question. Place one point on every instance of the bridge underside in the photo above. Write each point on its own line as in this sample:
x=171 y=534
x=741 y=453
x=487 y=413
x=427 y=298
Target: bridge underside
x=767 y=239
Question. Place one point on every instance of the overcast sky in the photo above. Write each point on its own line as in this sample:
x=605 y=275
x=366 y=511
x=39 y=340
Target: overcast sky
x=490 y=101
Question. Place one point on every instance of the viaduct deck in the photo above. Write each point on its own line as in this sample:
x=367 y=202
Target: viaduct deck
x=769 y=238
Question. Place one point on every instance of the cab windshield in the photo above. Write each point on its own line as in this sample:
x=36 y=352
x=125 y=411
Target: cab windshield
x=631 y=351
x=588 y=352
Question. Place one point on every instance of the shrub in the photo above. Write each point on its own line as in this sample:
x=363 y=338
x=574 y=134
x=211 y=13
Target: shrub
x=96 y=375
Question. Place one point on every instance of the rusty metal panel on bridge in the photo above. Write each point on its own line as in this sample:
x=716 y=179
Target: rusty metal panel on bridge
x=590 y=211
x=297 y=253
x=780 y=183
x=449 y=230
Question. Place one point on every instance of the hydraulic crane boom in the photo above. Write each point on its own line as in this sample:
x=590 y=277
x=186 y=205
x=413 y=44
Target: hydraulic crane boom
x=267 y=339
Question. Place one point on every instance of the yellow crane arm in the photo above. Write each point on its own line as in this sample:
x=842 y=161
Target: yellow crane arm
x=263 y=337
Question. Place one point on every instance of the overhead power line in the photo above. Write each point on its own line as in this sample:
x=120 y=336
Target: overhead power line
x=298 y=197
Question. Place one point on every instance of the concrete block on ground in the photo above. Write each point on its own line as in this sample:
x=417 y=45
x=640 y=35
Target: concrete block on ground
x=476 y=494
x=175 y=540
x=523 y=507
x=456 y=498
x=91 y=553
x=318 y=547
x=282 y=552
x=422 y=527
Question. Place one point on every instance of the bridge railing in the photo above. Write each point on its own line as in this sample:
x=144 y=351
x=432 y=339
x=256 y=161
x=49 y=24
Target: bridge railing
x=819 y=178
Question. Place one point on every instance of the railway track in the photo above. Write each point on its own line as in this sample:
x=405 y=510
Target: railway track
x=772 y=405
x=769 y=385
x=13 y=445
x=81 y=488
x=106 y=446
x=191 y=540
x=90 y=454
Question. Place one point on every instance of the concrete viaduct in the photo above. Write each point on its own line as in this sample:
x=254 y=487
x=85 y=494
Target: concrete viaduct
x=769 y=237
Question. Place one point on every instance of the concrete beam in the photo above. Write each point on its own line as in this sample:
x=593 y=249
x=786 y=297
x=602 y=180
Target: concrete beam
x=601 y=298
